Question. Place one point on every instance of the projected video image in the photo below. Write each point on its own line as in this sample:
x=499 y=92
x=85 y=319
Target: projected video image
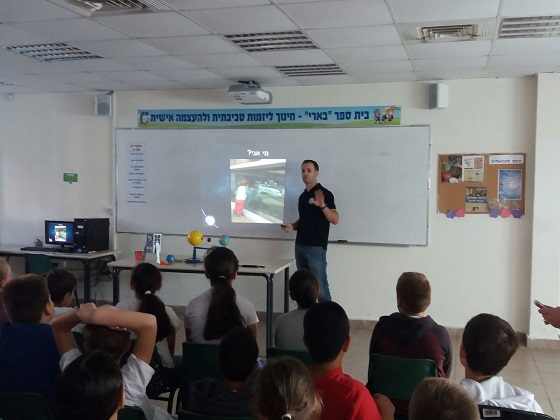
x=257 y=190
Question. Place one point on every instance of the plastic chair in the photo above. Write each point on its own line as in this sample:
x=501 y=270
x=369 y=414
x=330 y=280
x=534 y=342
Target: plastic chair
x=200 y=361
x=491 y=412
x=131 y=413
x=302 y=356
x=396 y=377
x=38 y=264
x=24 y=406
x=171 y=390
x=189 y=415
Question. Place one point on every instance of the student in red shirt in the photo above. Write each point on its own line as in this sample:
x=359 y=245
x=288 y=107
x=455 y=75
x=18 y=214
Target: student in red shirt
x=326 y=333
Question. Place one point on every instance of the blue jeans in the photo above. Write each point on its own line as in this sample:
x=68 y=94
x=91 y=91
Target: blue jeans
x=314 y=259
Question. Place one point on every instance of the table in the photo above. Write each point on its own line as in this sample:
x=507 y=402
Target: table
x=86 y=259
x=266 y=268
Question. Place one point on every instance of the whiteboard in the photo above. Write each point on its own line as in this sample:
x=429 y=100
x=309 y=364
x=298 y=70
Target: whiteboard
x=378 y=175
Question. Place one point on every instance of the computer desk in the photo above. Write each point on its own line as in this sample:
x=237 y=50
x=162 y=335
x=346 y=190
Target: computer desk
x=86 y=259
x=265 y=267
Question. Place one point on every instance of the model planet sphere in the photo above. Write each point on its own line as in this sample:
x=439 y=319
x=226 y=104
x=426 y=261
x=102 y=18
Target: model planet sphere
x=194 y=237
x=170 y=258
x=224 y=240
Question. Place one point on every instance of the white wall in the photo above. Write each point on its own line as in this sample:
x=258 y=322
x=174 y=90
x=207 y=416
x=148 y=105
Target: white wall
x=476 y=264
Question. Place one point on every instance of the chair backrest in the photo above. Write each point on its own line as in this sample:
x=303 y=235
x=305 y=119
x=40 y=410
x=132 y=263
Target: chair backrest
x=24 y=406
x=201 y=361
x=131 y=413
x=38 y=264
x=491 y=412
x=396 y=377
x=189 y=415
x=302 y=356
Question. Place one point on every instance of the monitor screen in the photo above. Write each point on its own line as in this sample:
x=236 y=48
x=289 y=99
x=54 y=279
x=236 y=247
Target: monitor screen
x=61 y=233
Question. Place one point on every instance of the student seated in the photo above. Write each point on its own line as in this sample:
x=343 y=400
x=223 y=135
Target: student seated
x=288 y=328
x=284 y=390
x=237 y=357
x=410 y=332
x=28 y=354
x=213 y=313
x=145 y=281
x=488 y=344
x=326 y=333
x=62 y=286
x=91 y=388
x=5 y=276
x=108 y=329
x=441 y=399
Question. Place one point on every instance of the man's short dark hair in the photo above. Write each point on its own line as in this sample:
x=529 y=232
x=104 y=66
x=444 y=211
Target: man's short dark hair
x=60 y=282
x=99 y=337
x=304 y=288
x=25 y=298
x=315 y=164
x=489 y=344
x=414 y=291
x=90 y=388
x=325 y=329
x=238 y=354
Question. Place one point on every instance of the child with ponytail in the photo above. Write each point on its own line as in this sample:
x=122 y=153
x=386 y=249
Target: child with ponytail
x=218 y=310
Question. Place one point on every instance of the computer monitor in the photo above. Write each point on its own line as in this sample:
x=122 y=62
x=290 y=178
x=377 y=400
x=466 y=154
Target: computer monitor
x=59 y=233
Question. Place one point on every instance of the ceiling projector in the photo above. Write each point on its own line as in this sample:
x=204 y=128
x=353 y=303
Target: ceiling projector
x=249 y=93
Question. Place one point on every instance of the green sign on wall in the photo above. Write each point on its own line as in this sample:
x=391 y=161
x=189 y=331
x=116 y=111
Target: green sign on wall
x=70 y=177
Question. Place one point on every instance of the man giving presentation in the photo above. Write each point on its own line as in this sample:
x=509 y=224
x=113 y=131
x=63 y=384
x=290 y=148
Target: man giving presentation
x=316 y=212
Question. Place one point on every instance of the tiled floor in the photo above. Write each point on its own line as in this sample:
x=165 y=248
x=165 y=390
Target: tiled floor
x=536 y=370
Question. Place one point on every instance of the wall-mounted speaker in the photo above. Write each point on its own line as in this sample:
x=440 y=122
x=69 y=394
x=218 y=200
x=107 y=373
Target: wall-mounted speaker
x=438 y=96
x=103 y=104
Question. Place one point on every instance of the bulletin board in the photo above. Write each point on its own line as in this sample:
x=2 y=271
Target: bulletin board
x=482 y=182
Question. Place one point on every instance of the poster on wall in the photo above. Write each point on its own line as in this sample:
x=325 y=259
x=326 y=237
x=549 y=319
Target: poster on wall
x=136 y=173
x=364 y=116
x=476 y=200
x=510 y=184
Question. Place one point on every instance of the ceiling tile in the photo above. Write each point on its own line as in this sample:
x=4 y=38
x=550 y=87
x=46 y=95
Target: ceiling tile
x=64 y=30
x=246 y=73
x=402 y=66
x=119 y=48
x=292 y=58
x=444 y=74
x=11 y=36
x=185 y=75
x=154 y=63
x=455 y=63
x=436 y=10
x=507 y=72
x=209 y=84
x=147 y=25
x=389 y=53
x=205 y=44
x=526 y=61
x=28 y=10
x=526 y=46
x=75 y=77
x=132 y=76
x=267 y=82
x=98 y=64
x=237 y=20
x=18 y=89
x=364 y=36
x=386 y=77
x=324 y=80
x=221 y=60
x=518 y=8
x=449 y=49
x=338 y=14
x=213 y=4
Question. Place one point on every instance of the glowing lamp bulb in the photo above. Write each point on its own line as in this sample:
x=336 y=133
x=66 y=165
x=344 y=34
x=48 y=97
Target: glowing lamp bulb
x=210 y=220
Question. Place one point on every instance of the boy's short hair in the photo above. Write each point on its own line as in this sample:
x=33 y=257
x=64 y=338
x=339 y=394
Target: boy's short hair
x=489 y=343
x=441 y=399
x=325 y=329
x=315 y=164
x=304 y=288
x=414 y=292
x=60 y=282
x=238 y=354
x=4 y=271
x=99 y=337
x=90 y=388
x=25 y=298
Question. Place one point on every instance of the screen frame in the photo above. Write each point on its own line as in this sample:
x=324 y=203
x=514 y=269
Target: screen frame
x=69 y=241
